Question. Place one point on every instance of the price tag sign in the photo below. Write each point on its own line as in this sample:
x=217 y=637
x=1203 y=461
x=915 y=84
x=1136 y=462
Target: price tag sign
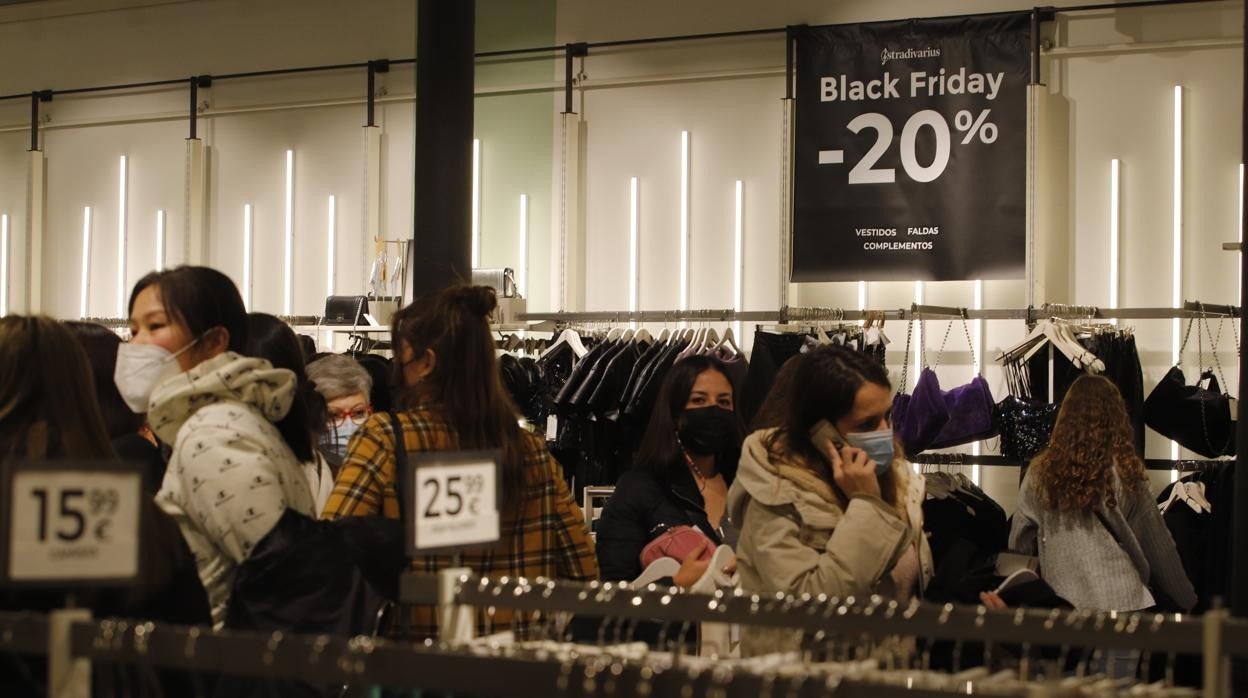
x=453 y=500
x=910 y=157
x=68 y=523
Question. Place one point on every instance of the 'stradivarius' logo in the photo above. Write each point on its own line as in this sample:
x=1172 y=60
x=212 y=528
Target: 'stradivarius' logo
x=890 y=55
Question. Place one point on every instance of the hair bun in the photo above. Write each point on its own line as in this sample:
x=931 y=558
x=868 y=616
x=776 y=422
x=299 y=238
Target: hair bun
x=478 y=300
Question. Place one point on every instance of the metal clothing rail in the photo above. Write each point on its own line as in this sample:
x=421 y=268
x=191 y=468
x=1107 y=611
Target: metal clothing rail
x=960 y=459
x=1191 y=309
x=851 y=617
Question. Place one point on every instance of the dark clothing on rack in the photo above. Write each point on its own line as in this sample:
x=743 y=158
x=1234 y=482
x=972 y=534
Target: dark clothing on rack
x=1122 y=366
x=1204 y=539
x=771 y=350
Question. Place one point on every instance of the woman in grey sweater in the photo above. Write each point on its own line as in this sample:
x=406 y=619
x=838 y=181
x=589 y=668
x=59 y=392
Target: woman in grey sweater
x=1086 y=511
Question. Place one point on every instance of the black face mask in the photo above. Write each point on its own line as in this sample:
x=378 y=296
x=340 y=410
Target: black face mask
x=711 y=431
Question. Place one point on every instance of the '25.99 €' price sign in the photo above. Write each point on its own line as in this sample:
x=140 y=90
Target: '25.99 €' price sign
x=71 y=523
x=453 y=500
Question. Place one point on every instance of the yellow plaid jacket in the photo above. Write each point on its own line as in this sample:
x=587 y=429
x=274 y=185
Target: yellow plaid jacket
x=548 y=537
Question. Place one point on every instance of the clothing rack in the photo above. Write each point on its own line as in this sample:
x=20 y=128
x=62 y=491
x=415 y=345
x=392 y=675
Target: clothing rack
x=954 y=459
x=444 y=667
x=1190 y=309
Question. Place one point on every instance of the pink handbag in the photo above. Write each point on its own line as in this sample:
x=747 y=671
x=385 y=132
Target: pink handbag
x=676 y=543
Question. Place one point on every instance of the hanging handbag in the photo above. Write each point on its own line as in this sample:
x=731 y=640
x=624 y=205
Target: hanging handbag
x=1199 y=416
x=932 y=418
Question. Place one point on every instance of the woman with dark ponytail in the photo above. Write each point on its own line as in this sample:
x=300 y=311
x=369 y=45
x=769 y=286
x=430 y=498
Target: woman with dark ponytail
x=451 y=397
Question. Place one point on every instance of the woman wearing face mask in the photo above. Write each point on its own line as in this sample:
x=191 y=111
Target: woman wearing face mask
x=826 y=503
x=271 y=339
x=683 y=468
x=345 y=385
x=228 y=417
x=452 y=398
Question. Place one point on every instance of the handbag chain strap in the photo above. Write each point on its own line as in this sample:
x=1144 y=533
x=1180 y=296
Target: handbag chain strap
x=1213 y=343
x=905 y=360
x=965 y=330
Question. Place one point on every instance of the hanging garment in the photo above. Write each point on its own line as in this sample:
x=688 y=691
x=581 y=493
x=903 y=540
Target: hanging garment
x=771 y=351
x=1117 y=350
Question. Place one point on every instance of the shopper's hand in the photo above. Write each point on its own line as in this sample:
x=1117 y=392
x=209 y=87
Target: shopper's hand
x=731 y=567
x=852 y=470
x=693 y=566
x=992 y=600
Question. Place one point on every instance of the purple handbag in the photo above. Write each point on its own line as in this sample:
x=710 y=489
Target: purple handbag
x=932 y=418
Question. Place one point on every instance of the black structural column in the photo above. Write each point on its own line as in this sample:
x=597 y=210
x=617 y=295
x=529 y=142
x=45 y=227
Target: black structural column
x=442 y=248
x=1239 y=532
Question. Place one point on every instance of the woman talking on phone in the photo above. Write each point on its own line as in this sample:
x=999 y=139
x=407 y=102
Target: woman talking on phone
x=825 y=502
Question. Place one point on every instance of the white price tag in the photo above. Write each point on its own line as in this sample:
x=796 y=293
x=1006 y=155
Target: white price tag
x=455 y=501
x=69 y=525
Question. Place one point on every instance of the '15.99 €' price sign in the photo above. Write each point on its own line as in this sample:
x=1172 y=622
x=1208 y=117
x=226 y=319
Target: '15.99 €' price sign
x=70 y=523
x=454 y=500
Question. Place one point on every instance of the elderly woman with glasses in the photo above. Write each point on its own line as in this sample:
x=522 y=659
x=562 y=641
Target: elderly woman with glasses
x=345 y=385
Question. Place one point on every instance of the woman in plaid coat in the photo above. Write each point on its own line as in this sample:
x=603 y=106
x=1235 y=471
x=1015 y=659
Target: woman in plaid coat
x=452 y=398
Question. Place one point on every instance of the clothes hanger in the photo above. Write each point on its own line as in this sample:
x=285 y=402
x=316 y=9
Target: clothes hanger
x=570 y=338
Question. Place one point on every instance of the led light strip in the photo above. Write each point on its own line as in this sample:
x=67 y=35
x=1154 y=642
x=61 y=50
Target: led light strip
x=247 y=255
x=738 y=259
x=522 y=267
x=288 y=290
x=918 y=336
x=862 y=295
x=85 y=279
x=1177 y=271
x=1239 y=269
x=1115 y=206
x=476 y=203
x=634 y=245
x=4 y=264
x=160 y=240
x=684 y=221
x=977 y=363
x=121 y=238
x=331 y=232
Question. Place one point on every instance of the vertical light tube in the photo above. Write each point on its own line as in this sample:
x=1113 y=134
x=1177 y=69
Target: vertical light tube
x=288 y=290
x=4 y=264
x=1115 y=206
x=862 y=295
x=331 y=251
x=476 y=203
x=85 y=279
x=634 y=244
x=121 y=238
x=247 y=255
x=1177 y=271
x=738 y=255
x=1239 y=221
x=522 y=267
x=977 y=368
x=918 y=336
x=160 y=240
x=684 y=221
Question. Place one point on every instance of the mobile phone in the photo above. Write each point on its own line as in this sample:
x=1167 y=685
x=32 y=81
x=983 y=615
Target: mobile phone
x=823 y=431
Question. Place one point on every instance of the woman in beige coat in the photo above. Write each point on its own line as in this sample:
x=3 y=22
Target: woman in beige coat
x=825 y=502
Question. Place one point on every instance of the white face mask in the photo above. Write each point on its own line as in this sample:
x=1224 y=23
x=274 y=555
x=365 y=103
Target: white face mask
x=142 y=367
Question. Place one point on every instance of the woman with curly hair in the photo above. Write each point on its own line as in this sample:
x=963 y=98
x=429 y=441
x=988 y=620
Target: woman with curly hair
x=1085 y=509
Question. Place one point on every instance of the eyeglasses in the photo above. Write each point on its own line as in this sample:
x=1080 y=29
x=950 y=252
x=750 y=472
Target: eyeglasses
x=357 y=415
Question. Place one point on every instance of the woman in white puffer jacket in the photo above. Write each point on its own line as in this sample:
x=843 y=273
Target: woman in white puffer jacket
x=231 y=475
